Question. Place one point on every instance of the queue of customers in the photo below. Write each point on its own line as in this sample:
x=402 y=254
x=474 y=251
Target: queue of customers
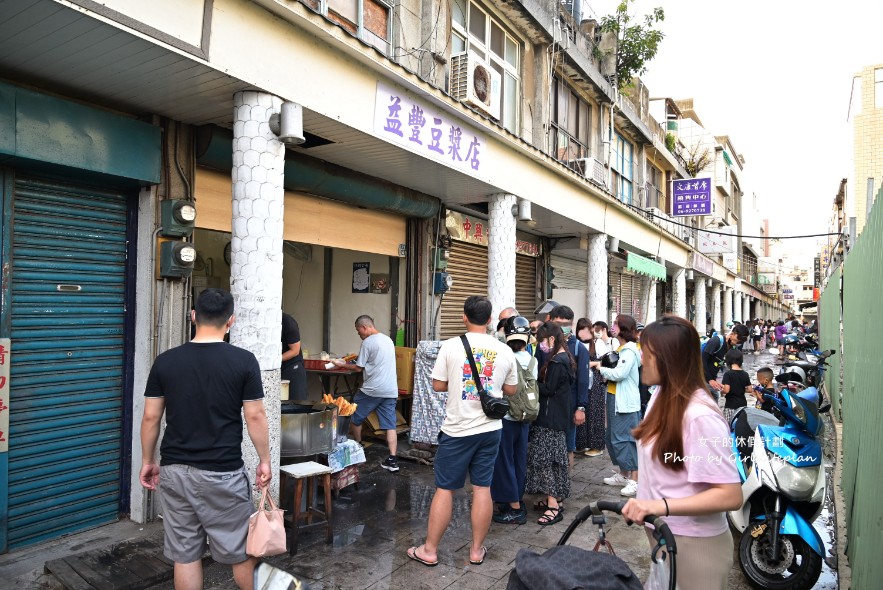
x=586 y=401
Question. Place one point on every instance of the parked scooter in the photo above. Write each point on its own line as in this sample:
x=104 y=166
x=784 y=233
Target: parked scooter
x=783 y=490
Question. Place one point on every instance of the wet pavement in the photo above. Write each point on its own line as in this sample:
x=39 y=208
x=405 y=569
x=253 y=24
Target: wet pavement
x=375 y=525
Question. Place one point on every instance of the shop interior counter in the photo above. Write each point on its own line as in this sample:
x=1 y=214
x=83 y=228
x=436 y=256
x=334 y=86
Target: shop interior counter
x=337 y=381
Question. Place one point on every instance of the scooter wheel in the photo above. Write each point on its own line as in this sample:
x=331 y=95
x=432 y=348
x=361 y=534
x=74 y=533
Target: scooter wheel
x=798 y=568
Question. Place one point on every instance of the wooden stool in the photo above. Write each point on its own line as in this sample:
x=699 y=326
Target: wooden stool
x=306 y=473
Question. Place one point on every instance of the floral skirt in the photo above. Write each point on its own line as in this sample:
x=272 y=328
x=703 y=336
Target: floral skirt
x=591 y=434
x=547 y=463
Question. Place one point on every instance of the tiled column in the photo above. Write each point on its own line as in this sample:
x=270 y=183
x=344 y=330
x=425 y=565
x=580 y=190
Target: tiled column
x=699 y=294
x=651 y=304
x=597 y=292
x=256 y=253
x=716 y=306
x=501 y=253
x=679 y=302
x=728 y=307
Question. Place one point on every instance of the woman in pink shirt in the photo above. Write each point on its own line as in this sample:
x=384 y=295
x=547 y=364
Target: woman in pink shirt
x=687 y=472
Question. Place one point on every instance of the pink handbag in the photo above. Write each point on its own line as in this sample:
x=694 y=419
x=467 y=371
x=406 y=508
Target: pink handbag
x=266 y=529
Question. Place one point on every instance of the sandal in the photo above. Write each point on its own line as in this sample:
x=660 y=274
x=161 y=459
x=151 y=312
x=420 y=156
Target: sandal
x=546 y=520
x=543 y=505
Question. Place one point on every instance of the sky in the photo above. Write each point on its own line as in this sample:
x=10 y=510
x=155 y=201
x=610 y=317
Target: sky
x=775 y=76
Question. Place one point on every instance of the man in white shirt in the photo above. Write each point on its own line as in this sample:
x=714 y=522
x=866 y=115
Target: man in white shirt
x=469 y=440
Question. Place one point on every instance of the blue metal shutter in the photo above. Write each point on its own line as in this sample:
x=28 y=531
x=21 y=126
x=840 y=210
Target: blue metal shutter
x=67 y=319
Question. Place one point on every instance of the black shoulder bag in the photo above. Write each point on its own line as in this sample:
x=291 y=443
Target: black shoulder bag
x=494 y=407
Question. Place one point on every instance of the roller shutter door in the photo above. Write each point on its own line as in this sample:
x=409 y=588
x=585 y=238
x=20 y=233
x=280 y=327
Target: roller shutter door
x=67 y=318
x=625 y=292
x=569 y=273
x=525 y=284
x=467 y=265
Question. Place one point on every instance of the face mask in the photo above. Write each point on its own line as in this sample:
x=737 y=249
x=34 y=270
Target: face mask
x=597 y=334
x=567 y=330
x=544 y=346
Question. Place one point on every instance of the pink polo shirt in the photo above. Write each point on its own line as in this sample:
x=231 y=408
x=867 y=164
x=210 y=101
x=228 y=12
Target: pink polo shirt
x=707 y=459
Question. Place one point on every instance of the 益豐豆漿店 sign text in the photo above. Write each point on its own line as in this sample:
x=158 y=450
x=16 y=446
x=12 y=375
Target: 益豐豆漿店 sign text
x=417 y=127
x=691 y=197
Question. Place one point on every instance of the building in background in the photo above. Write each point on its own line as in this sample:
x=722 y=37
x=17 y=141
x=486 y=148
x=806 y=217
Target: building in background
x=866 y=116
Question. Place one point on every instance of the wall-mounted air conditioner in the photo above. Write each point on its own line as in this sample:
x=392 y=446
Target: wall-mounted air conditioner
x=661 y=218
x=590 y=168
x=476 y=83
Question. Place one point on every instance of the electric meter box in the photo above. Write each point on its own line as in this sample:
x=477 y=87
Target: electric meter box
x=178 y=218
x=176 y=259
x=442 y=283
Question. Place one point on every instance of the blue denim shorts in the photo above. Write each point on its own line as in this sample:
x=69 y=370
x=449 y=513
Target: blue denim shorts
x=385 y=407
x=456 y=455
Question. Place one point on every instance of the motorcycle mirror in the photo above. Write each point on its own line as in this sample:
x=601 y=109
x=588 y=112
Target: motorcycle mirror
x=267 y=577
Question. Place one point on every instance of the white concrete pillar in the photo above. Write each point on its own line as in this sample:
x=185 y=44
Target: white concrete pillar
x=728 y=307
x=652 y=312
x=716 y=306
x=737 y=307
x=597 y=291
x=256 y=253
x=746 y=308
x=679 y=296
x=501 y=253
x=701 y=304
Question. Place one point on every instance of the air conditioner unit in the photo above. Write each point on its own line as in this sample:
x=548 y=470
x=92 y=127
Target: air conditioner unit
x=591 y=168
x=476 y=83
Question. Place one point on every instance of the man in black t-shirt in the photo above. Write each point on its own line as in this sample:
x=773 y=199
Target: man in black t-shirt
x=203 y=387
x=293 y=368
x=713 y=355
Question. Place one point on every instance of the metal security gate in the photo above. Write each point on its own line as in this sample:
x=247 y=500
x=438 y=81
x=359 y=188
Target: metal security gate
x=625 y=293
x=525 y=285
x=468 y=266
x=67 y=309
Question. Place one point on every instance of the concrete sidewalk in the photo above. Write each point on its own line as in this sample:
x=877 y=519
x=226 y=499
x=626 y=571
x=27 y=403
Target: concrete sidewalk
x=375 y=525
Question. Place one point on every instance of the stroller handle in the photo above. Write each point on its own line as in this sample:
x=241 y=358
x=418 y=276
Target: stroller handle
x=600 y=506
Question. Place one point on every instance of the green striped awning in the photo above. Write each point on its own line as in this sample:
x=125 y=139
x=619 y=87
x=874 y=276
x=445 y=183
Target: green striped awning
x=645 y=266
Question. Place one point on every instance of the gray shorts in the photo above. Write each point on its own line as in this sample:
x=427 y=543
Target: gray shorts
x=197 y=504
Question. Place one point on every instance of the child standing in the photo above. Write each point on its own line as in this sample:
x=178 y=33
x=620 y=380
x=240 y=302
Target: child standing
x=736 y=383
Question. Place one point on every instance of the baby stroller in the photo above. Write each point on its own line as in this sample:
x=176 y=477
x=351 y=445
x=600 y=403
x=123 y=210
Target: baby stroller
x=570 y=568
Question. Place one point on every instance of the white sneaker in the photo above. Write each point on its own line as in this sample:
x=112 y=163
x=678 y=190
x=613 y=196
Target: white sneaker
x=616 y=480
x=630 y=489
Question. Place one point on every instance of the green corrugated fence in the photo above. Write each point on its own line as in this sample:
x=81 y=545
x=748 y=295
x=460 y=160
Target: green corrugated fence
x=861 y=407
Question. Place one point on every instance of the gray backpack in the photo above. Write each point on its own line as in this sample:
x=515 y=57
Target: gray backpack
x=524 y=406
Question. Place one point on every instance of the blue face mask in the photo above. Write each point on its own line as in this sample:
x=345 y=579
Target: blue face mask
x=567 y=330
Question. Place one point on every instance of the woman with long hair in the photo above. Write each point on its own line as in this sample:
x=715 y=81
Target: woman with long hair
x=590 y=435
x=687 y=475
x=623 y=406
x=548 y=460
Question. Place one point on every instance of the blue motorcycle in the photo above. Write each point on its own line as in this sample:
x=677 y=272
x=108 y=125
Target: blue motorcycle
x=779 y=459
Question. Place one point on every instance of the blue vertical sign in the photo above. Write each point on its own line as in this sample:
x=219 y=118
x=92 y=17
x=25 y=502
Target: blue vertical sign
x=691 y=196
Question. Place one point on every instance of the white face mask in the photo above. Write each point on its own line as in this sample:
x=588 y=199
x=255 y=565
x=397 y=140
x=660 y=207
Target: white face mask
x=597 y=334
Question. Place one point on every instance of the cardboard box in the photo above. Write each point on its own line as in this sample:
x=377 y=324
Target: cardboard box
x=405 y=368
x=345 y=477
x=373 y=423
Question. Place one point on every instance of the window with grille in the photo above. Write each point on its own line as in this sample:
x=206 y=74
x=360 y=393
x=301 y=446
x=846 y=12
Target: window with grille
x=623 y=169
x=570 y=134
x=475 y=30
x=369 y=20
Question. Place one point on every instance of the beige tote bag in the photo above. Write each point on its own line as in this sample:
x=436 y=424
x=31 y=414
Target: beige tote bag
x=266 y=529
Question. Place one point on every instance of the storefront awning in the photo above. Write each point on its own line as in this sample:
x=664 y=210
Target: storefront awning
x=645 y=266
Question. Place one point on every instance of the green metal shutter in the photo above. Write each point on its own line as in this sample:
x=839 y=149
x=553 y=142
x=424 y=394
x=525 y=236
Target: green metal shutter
x=67 y=317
